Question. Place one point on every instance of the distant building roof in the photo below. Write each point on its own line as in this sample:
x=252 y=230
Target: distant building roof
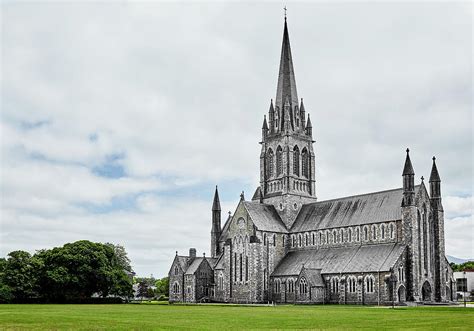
x=369 y=258
x=354 y=210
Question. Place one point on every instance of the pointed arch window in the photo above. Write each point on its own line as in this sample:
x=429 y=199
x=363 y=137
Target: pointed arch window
x=305 y=163
x=369 y=284
x=279 y=160
x=296 y=161
x=303 y=286
x=352 y=284
x=270 y=163
x=291 y=286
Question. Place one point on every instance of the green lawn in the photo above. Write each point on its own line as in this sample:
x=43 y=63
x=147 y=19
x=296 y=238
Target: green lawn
x=221 y=317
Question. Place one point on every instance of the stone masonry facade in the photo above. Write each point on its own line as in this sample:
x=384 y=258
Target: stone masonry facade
x=286 y=246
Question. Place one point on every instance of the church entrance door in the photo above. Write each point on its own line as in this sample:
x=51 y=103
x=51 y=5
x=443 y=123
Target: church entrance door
x=426 y=291
x=401 y=294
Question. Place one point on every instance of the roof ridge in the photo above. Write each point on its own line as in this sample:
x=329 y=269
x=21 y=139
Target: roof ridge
x=358 y=195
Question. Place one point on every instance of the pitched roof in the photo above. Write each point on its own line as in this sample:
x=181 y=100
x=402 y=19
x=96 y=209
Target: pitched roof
x=224 y=228
x=313 y=276
x=197 y=262
x=368 y=258
x=265 y=217
x=257 y=196
x=219 y=262
x=354 y=210
x=183 y=261
x=194 y=265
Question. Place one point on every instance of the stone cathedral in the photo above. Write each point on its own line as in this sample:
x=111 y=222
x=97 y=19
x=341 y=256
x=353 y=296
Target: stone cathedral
x=285 y=246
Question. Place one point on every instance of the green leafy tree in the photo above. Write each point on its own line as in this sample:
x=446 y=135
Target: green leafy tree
x=80 y=269
x=143 y=290
x=18 y=276
x=162 y=287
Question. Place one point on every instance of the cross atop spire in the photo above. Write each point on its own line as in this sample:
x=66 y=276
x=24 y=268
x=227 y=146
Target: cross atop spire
x=285 y=12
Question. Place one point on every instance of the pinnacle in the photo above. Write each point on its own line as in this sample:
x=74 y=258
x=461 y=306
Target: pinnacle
x=434 y=177
x=408 y=168
x=216 y=205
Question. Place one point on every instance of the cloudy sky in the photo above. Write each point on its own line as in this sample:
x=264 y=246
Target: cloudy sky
x=119 y=119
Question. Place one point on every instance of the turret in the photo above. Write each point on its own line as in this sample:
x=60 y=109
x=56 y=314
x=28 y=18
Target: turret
x=309 y=127
x=408 y=182
x=435 y=186
x=264 y=128
x=302 y=115
x=438 y=227
x=216 y=225
x=271 y=117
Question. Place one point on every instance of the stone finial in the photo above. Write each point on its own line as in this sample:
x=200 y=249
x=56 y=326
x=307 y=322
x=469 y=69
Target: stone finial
x=242 y=197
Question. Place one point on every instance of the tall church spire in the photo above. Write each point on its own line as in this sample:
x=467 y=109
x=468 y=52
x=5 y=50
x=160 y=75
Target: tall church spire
x=216 y=229
x=286 y=88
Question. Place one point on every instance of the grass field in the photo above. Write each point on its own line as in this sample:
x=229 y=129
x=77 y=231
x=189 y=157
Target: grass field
x=221 y=317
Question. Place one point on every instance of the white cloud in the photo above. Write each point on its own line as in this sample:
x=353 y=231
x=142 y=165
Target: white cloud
x=180 y=91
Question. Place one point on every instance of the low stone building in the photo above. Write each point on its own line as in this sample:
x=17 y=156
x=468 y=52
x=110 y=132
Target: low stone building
x=285 y=246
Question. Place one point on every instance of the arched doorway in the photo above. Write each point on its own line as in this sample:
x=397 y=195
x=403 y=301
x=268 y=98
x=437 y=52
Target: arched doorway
x=402 y=294
x=426 y=291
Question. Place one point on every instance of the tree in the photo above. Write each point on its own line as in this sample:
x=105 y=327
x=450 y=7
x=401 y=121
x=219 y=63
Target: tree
x=120 y=257
x=143 y=290
x=80 y=269
x=76 y=270
x=163 y=287
x=18 y=278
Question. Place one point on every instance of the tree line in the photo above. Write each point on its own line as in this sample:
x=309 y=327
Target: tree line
x=469 y=265
x=74 y=272
x=151 y=288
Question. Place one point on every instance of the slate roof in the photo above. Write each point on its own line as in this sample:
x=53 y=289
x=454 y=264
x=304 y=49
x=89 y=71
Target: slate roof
x=265 y=217
x=219 y=262
x=224 y=228
x=183 y=261
x=369 y=258
x=197 y=262
x=314 y=276
x=257 y=195
x=354 y=210
x=194 y=266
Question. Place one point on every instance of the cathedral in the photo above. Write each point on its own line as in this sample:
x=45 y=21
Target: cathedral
x=286 y=246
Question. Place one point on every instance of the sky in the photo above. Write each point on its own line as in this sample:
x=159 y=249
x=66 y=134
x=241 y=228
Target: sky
x=118 y=119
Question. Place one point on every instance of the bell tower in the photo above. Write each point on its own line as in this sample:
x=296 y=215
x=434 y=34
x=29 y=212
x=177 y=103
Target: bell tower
x=287 y=162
